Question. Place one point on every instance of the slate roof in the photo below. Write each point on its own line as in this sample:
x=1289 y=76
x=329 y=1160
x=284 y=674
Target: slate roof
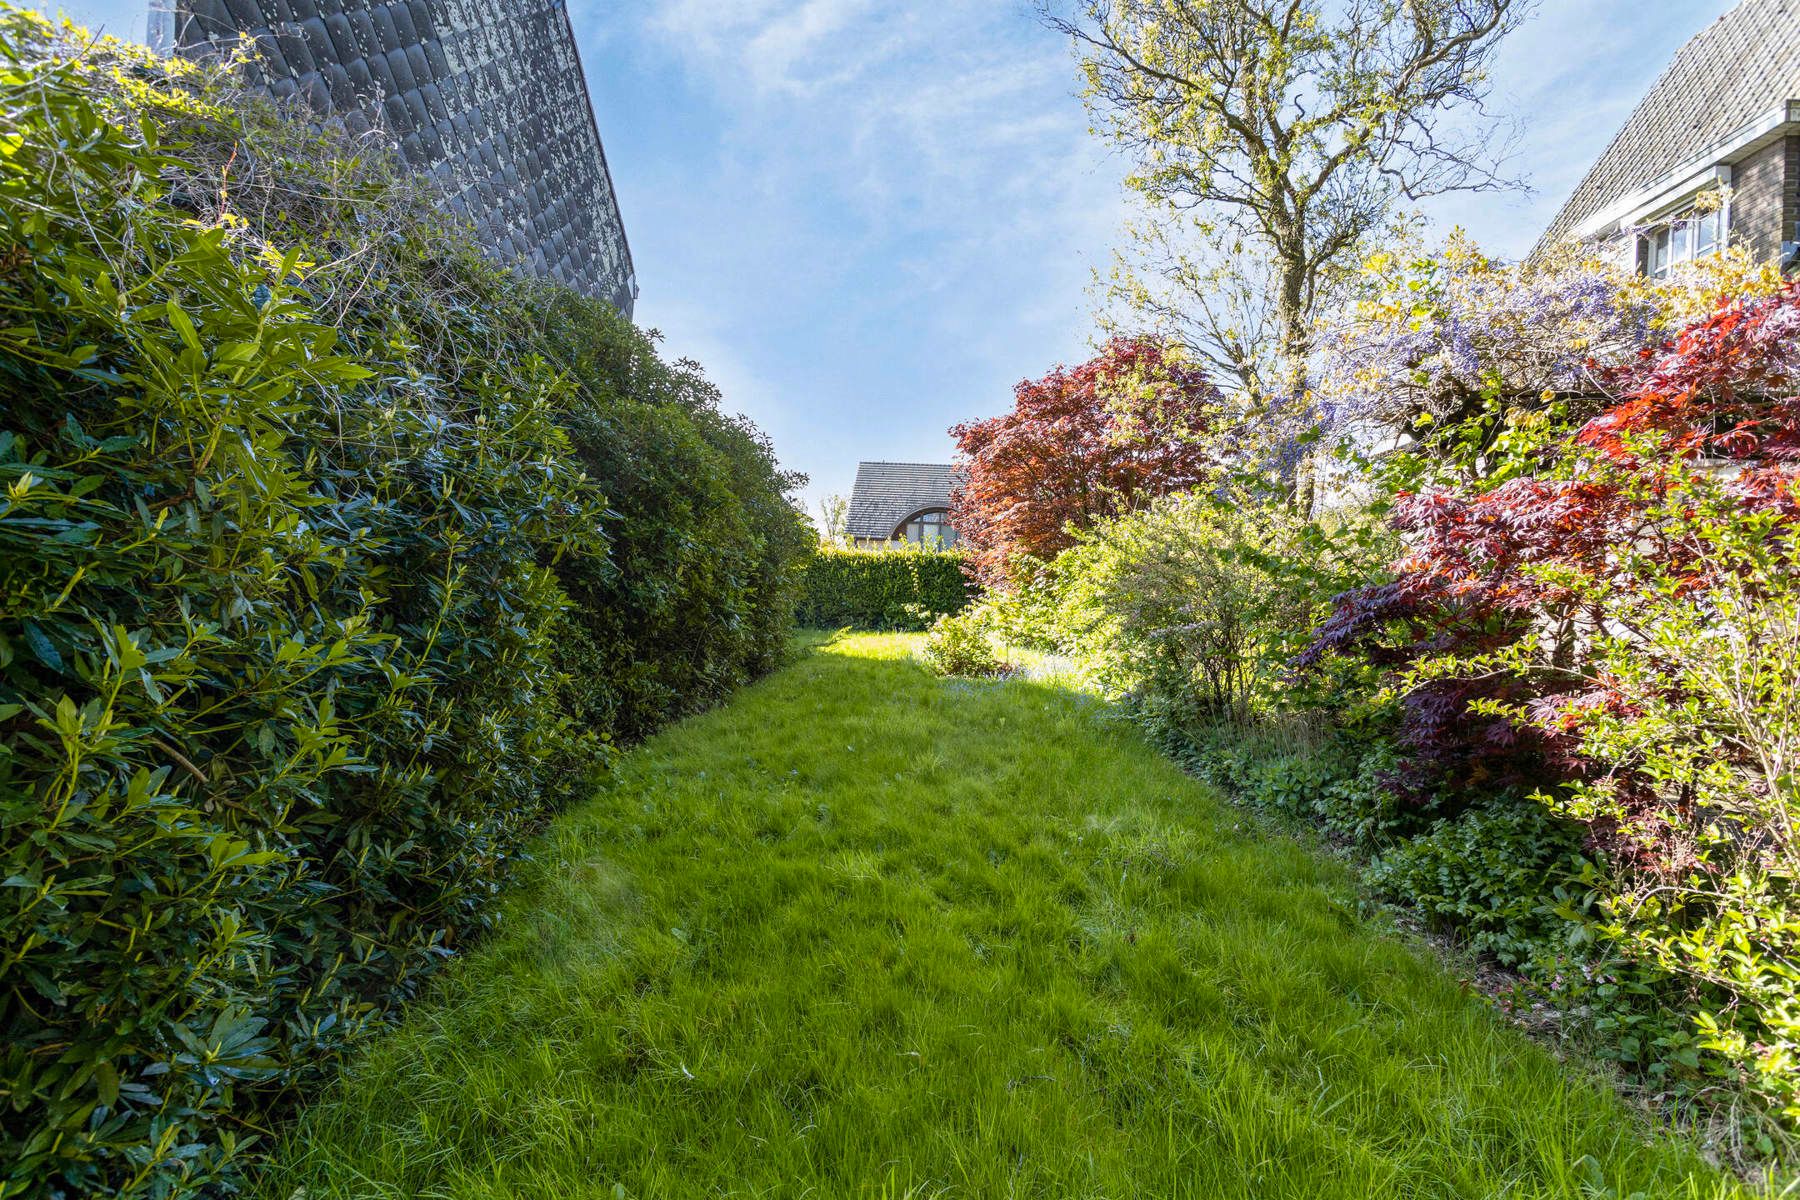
x=1741 y=66
x=486 y=95
x=887 y=493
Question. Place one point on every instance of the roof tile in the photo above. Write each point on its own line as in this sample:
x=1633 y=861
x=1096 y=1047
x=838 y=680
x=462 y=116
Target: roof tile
x=1739 y=67
x=887 y=493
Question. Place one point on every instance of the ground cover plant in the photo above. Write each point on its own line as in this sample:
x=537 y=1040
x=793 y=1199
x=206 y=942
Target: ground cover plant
x=332 y=559
x=842 y=938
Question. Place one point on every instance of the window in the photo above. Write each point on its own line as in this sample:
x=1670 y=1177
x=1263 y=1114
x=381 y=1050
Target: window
x=929 y=528
x=1694 y=234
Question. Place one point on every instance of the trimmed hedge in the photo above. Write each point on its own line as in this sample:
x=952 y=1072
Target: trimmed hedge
x=332 y=559
x=905 y=588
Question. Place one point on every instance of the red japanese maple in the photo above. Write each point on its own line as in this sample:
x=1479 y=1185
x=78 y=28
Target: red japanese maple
x=1487 y=565
x=1081 y=444
x=1722 y=388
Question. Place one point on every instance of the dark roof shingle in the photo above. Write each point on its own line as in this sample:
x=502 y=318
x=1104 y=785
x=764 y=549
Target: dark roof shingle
x=1741 y=66
x=488 y=97
x=887 y=493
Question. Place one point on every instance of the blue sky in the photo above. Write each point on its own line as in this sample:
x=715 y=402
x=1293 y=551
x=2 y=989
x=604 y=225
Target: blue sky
x=869 y=219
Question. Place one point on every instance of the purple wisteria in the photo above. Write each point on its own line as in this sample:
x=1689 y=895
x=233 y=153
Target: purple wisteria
x=1438 y=338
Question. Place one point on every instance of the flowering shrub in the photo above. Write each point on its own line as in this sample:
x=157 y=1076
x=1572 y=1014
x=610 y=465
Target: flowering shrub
x=1467 y=365
x=1615 y=632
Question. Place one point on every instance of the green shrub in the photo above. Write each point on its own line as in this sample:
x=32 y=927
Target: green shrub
x=698 y=591
x=1300 y=766
x=904 y=588
x=1360 y=805
x=959 y=645
x=330 y=560
x=1201 y=600
x=1693 y=780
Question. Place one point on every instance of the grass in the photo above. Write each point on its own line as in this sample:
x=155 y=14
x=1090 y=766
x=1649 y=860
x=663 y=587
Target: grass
x=866 y=933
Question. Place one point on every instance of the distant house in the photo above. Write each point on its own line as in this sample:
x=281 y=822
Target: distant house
x=1711 y=156
x=894 y=503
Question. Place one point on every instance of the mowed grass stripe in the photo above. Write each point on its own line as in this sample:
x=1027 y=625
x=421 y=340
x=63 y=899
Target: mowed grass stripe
x=868 y=933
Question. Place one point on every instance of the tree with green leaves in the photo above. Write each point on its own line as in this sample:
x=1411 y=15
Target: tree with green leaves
x=1273 y=141
x=833 y=521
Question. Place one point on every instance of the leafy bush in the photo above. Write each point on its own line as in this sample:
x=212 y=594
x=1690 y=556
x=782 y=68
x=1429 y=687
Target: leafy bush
x=1202 y=599
x=698 y=590
x=960 y=645
x=1080 y=445
x=1612 y=626
x=1492 y=874
x=1688 y=731
x=904 y=588
x=331 y=557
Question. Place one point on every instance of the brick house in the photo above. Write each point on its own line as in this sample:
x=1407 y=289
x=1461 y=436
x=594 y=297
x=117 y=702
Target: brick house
x=895 y=503
x=1711 y=157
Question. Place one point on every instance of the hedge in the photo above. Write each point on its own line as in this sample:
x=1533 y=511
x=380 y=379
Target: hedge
x=332 y=559
x=905 y=588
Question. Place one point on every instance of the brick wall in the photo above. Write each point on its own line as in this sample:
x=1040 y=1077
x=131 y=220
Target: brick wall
x=1765 y=199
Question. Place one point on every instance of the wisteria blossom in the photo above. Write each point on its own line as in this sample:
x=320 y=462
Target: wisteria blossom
x=1438 y=337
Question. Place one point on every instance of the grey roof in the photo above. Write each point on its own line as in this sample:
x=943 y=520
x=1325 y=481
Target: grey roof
x=1741 y=66
x=487 y=96
x=887 y=493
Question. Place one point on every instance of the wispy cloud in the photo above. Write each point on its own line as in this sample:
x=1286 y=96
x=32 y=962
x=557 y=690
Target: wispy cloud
x=899 y=206
x=874 y=216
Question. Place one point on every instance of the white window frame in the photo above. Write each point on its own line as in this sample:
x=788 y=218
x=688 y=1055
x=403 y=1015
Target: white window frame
x=1675 y=236
x=945 y=539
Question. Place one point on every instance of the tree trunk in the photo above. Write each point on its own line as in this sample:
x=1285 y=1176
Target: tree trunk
x=1295 y=333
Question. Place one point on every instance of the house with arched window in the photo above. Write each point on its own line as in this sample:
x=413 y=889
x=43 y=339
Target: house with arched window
x=897 y=503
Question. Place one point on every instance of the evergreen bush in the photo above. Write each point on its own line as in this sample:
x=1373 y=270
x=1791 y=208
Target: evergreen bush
x=332 y=559
x=903 y=588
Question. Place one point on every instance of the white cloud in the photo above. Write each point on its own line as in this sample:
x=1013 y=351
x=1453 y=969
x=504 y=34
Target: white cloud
x=912 y=185
x=887 y=212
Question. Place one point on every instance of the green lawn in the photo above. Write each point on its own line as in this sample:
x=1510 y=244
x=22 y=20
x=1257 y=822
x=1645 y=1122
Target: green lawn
x=868 y=933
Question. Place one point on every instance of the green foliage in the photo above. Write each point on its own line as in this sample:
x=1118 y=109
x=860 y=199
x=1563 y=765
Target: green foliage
x=697 y=593
x=961 y=645
x=1694 y=759
x=1490 y=874
x=293 y=485
x=1296 y=766
x=1202 y=600
x=903 y=588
